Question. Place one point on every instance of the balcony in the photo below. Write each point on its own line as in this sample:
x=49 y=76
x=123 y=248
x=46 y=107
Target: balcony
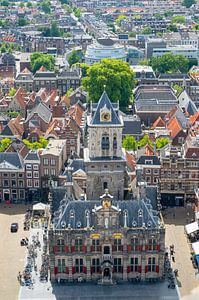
x=107 y=257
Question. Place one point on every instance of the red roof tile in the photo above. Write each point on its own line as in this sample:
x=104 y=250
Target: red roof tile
x=159 y=123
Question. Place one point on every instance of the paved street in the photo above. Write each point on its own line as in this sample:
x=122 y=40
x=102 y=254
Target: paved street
x=11 y=253
x=187 y=282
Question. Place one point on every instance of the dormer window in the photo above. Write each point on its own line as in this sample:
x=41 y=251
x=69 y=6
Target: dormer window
x=148 y=162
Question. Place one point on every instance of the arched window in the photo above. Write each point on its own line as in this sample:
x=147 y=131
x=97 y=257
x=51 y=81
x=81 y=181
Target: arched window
x=115 y=142
x=105 y=142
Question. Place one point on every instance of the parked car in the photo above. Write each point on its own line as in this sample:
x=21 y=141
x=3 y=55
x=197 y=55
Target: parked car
x=14 y=227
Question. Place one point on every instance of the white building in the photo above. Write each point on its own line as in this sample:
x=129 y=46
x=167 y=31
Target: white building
x=188 y=51
x=104 y=48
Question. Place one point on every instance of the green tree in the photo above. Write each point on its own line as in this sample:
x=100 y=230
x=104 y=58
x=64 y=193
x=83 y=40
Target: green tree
x=196 y=27
x=69 y=92
x=158 y=16
x=21 y=4
x=37 y=60
x=146 y=30
x=3 y=49
x=172 y=28
x=74 y=58
x=129 y=143
x=54 y=30
x=12 y=114
x=29 y=5
x=192 y=62
x=45 y=6
x=5 y=3
x=41 y=144
x=168 y=13
x=137 y=17
x=77 y=12
x=120 y=19
x=22 y=22
x=178 y=20
x=4 y=144
x=132 y=34
x=144 y=62
x=169 y=63
x=12 y=92
x=116 y=75
x=178 y=89
x=144 y=141
x=188 y=3
x=161 y=142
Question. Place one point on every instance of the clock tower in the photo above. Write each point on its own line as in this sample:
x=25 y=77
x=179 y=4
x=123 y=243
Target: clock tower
x=104 y=158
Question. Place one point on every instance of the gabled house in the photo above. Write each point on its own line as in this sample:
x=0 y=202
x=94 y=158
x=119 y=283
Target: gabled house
x=186 y=103
x=18 y=102
x=177 y=133
x=39 y=117
x=14 y=128
x=78 y=95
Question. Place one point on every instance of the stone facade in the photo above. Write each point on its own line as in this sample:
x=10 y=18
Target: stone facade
x=104 y=160
x=101 y=243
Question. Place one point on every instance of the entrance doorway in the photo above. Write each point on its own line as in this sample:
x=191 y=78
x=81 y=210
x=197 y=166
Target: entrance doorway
x=6 y=195
x=107 y=273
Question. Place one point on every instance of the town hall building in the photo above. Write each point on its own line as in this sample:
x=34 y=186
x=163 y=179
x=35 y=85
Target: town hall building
x=103 y=237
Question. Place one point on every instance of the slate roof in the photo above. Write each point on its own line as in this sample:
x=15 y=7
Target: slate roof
x=77 y=164
x=132 y=125
x=12 y=158
x=46 y=74
x=134 y=209
x=42 y=110
x=143 y=158
x=185 y=102
x=32 y=155
x=104 y=101
x=174 y=76
x=6 y=131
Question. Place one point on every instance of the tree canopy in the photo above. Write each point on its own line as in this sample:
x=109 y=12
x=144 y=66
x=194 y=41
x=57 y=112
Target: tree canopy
x=188 y=3
x=74 y=58
x=12 y=92
x=41 y=144
x=146 y=30
x=170 y=63
x=45 y=6
x=4 y=144
x=178 y=19
x=129 y=142
x=116 y=75
x=52 y=30
x=37 y=60
x=120 y=19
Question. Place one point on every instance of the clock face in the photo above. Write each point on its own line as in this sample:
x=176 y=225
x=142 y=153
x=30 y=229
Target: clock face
x=105 y=116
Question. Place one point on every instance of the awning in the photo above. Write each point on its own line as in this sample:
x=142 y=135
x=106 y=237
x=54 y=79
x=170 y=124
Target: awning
x=197 y=259
x=41 y=207
x=192 y=227
x=195 y=247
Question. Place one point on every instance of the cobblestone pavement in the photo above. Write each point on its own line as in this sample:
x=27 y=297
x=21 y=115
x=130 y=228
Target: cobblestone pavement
x=11 y=253
x=175 y=220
